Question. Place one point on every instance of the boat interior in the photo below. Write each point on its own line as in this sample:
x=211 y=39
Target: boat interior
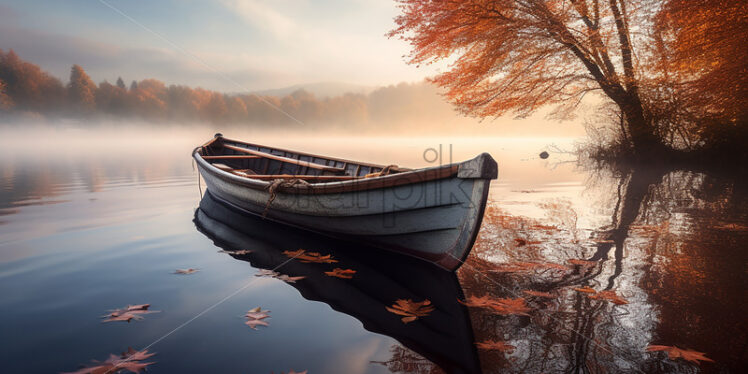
x=265 y=163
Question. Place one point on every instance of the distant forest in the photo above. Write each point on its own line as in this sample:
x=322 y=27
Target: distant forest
x=27 y=90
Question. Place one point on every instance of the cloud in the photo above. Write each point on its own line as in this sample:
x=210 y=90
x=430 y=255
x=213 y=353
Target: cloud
x=262 y=16
x=56 y=53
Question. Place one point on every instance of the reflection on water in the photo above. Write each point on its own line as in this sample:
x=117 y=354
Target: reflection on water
x=673 y=248
x=381 y=278
x=85 y=228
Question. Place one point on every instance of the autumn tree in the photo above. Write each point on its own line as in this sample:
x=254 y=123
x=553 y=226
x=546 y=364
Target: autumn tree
x=5 y=101
x=121 y=83
x=515 y=56
x=30 y=88
x=81 y=90
x=700 y=67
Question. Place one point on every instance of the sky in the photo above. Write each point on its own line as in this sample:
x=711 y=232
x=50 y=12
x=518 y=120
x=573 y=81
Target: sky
x=225 y=45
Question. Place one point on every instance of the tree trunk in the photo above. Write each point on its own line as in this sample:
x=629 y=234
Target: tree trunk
x=644 y=141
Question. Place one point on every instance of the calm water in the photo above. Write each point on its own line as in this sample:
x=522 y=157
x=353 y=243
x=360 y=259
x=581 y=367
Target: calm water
x=88 y=225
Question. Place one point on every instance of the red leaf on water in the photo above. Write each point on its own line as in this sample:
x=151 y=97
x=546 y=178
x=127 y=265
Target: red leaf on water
x=308 y=257
x=255 y=317
x=411 y=310
x=341 y=273
x=675 y=352
x=491 y=345
x=585 y=289
x=128 y=361
x=538 y=293
x=128 y=313
x=499 y=306
x=610 y=296
x=277 y=275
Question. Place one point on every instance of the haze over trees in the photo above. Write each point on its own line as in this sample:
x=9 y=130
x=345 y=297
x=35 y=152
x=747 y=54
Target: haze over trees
x=674 y=71
x=27 y=90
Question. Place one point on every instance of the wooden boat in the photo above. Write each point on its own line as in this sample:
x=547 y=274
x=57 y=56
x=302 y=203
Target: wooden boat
x=432 y=213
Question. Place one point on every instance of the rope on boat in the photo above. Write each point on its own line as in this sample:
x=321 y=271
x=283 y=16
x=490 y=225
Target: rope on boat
x=277 y=183
x=386 y=171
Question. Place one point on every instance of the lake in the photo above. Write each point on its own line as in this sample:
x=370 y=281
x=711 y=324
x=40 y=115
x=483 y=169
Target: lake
x=615 y=261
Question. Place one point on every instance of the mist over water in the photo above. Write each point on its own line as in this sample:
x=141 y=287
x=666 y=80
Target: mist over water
x=95 y=219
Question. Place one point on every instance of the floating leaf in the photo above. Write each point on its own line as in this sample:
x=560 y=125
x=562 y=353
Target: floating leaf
x=255 y=317
x=341 y=273
x=277 y=275
x=307 y=257
x=257 y=313
x=538 y=293
x=128 y=361
x=610 y=296
x=499 y=306
x=491 y=345
x=186 y=271
x=410 y=309
x=675 y=352
x=585 y=289
x=128 y=313
x=579 y=262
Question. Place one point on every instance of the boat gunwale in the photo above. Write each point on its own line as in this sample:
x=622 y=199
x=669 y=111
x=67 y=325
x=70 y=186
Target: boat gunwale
x=304 y=153
x=412 y=176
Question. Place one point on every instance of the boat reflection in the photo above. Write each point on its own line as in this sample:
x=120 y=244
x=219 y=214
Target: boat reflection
x=445 y=337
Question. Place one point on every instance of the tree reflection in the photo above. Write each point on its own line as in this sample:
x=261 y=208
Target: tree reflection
x=675 y=238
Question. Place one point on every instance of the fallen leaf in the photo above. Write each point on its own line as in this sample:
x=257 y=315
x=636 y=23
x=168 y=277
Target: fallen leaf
x=491 y=345
x=579 y=262
x=257 y=313
x=538 y=293
x=411 y=310
x=500 y=306
x=675 y=352
x=341 y=273
x=277 y=275
x=585 y=289
x=255 y=317
x=307 y=257
x=610 y=296
x=128 y=313
x=186 y=271
x=128 y=361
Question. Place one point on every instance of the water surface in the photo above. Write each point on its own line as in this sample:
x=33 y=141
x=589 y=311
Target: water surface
x=88 y=224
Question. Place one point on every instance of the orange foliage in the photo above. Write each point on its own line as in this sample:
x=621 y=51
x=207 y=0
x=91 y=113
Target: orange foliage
x=341 y=273
x=493 y=345
x=307 y=257
x=675 y=352
x=704 y=44
x=499 y=306
x=683 y=60
x=411 y=309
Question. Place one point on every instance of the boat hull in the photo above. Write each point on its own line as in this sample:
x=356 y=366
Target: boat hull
x=433 y=219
